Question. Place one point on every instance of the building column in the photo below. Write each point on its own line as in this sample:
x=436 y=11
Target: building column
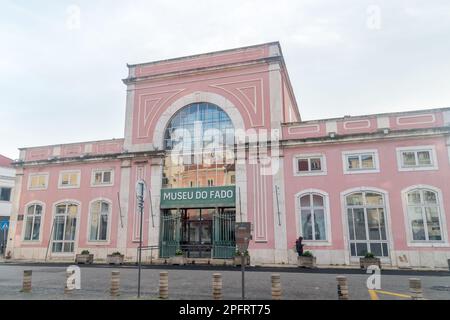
x=124 y=195
x=155 y=189
x=279 y=209
x=13 y=238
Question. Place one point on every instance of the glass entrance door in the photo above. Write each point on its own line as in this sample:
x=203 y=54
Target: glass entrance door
x=367 y=224
x=65 y=225
x=196 y=233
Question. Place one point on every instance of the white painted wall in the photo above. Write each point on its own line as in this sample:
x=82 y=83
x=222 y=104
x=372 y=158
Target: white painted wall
x=7 y=177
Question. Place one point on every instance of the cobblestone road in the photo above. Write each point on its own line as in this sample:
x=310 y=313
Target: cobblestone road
x=195 y=283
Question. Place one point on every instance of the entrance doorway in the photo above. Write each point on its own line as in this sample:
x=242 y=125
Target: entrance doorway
x=198 y=232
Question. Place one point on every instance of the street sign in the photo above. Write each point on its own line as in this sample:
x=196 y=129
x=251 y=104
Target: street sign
x=141 y=189
x=4 y=225
x=243 y=235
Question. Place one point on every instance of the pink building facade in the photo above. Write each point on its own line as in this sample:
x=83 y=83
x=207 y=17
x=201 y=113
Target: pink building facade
x=348 y=186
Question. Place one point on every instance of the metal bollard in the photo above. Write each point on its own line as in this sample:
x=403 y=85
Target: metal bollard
x=26 y=286
x=163 y=285
x=217 y=286
x=342 y=287
x=66 y=288
x=276 y=286
x=115 y=283
x=415 y=287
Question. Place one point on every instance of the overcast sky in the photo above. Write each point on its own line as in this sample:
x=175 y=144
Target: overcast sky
x=60 y=76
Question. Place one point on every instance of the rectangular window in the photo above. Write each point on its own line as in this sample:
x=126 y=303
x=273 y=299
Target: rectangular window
x=360 y=161
x=5 y=194
x=37 y=181
x=416 y=158
x=69 y=179
x=309 y=165
x=102 y=177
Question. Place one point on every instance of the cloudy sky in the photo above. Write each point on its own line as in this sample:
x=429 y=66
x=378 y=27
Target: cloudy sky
x=61 y=63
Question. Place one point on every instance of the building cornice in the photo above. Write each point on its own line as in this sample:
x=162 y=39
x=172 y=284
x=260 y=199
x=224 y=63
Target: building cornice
x=366 y=137
x=202 y=70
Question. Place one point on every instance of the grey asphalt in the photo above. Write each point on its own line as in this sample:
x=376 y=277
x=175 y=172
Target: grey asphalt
x=195 y=283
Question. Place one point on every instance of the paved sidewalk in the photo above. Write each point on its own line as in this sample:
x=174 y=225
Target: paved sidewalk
x=194 y=282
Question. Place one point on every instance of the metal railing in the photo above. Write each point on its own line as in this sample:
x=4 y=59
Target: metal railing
x=145 y=248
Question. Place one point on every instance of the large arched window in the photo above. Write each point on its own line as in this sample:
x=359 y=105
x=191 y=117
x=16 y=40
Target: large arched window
x=64 y=227
x=366 y=217
x=313 y=217
x=99 y=218
x=198 y=141
x=33 y=222
x=424 y=214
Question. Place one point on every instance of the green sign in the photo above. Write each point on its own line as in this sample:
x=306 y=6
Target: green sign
x=208 y=197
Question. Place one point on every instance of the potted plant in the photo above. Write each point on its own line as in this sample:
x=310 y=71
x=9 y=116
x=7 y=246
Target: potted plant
x=84 y=257
x=306 y=260
x=368 y=260
x=115 y=258
x=178 y=259
x=238 y=259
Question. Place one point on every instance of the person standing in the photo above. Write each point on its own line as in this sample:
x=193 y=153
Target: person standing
x=299 y=246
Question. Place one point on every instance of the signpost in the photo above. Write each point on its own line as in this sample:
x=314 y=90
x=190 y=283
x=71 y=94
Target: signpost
x=141 y=191
x=243 y=237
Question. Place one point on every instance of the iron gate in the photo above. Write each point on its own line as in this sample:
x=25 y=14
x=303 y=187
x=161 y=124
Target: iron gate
x=170 y=233
x=224 y=244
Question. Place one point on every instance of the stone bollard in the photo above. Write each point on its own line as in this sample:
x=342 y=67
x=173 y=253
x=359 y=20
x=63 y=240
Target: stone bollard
x=342 y=287
x=26 y=286
x=163 y=285
x=276 y=286
x=415 y=287
x=217 y=286
x=66 y=288
x=115 y=283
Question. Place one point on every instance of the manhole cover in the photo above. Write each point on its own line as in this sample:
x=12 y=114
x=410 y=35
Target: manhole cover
x=440 y=288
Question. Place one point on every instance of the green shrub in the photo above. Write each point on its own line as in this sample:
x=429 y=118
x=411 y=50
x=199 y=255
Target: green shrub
x=178 y=252
x=369 y=255
x=307 y=254
x=238 y=253
x=117 y=253
x=85 y=252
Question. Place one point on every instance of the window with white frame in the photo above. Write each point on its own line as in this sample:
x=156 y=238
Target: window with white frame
x=416 y=158
x=424 y=215
x=64 y=227
x=360 y=161
x=313 y=216
x=69 y=179
x=33 y=219
x=100 y=211
x=102 y=177
x=37 y=181
x=310 y=165
x=366 y=219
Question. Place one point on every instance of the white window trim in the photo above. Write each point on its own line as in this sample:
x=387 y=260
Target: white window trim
x=60 y=186
x=431 y=148
x=94 y=171
x=46 y=174
x=42 y=204
x=424 y=243
x=344 y=221
x=75 y=246
x=323 y=163
x=108 y=232
x=346 y=154
x=298 y=219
